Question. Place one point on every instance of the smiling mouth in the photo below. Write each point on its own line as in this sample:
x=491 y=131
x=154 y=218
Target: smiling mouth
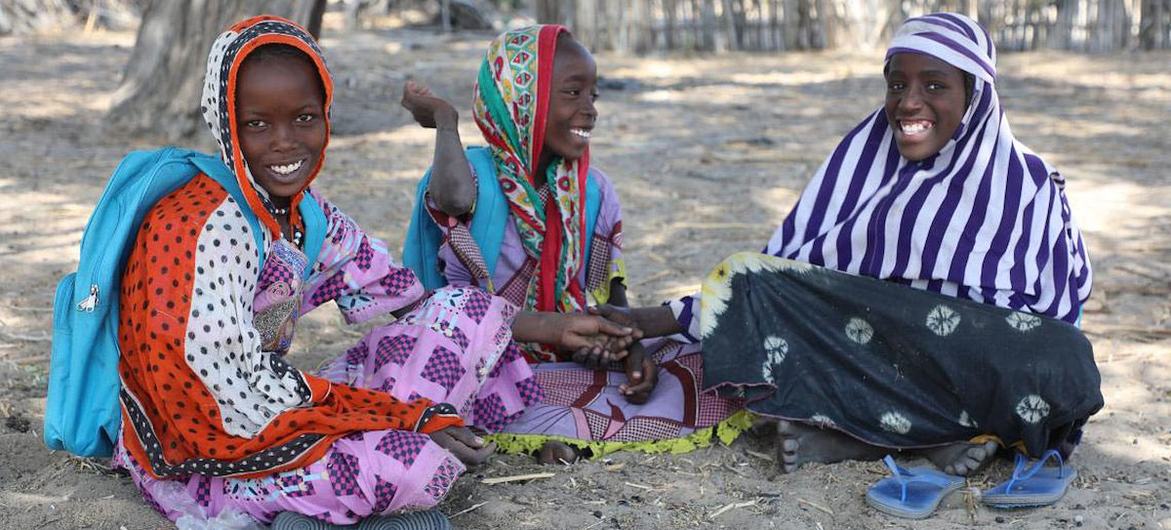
x=580 y=133
x=915 y=127
x=286 y=169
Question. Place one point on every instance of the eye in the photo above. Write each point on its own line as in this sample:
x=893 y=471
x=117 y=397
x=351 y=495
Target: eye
x=936 y=86
x=594 y=95
x=573 y=92
x=895 y=86
x=255 y=124
x=306 y=118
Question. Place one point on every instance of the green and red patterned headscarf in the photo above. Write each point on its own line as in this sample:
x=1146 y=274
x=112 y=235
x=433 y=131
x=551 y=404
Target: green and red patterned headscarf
x=511 y=107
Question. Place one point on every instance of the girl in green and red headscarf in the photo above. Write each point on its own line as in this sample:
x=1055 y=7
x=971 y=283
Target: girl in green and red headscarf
x=530 y=219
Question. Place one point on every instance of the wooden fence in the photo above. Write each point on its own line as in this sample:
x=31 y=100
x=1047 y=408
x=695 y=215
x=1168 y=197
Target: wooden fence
x=642 y=26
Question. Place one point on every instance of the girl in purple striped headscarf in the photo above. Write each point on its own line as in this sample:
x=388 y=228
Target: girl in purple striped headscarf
x=932 y=192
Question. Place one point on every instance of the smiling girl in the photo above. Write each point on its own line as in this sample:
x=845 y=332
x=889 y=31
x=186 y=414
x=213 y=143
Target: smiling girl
x=559 y=244
x=923 y=293
x=215 y=419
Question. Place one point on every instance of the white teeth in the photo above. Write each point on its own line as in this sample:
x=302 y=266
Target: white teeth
x=581 y=132
x=915 y=127
x=287 y=168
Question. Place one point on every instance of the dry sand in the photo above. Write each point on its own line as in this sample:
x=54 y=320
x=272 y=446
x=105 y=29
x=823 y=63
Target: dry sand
x=707 y=154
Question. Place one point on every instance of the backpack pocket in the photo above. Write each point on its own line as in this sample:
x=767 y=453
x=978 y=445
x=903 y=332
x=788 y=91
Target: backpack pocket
x=63 y=306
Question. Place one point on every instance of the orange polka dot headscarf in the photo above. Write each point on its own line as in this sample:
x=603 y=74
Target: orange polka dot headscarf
x=219 y=98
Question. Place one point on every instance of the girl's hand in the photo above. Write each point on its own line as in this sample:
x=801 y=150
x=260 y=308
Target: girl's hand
x=618 y=347
x=613 y=313
x=429 y=110
x=465 y=445
x=641 y=376
x=594 y=340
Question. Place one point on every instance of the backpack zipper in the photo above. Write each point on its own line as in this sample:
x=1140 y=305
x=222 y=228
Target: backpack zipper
x=90 y=302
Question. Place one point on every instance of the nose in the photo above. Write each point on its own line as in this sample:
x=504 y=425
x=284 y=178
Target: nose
x=283 y=137
x=911 y=100
x=590 y=108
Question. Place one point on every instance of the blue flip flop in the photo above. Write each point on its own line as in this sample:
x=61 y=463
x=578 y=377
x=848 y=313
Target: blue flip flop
x=911 y=493
x=1032 y=486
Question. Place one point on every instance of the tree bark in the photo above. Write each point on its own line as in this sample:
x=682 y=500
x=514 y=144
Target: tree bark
x=163 y=81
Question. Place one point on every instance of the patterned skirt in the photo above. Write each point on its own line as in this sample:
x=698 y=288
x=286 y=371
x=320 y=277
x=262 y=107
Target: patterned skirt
x=891 y=365
x=433 y=352
x=584 y=408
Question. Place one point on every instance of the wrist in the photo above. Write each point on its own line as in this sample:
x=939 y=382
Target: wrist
x=532 y=326
x=655 y=321
x=447 y=119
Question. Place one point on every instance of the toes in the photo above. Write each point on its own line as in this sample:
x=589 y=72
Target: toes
x=786 y=428
x=789 y=462
x=556 y=453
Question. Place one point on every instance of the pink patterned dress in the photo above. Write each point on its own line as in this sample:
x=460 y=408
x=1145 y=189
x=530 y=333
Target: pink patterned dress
x=453 y=347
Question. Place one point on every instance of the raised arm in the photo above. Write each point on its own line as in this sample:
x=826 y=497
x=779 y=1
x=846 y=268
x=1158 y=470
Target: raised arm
x=452 y=187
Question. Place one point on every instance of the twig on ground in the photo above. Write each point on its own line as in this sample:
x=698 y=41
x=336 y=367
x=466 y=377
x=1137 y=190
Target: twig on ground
x=517 y=478
x=639 y=486
x=466 y=510
x=730 y=506
x=812 y=504
x=734 y=471
x=761 y=456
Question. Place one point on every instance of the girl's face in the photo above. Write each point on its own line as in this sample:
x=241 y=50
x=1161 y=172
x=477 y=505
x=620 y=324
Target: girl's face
x=571 y=115
x=925 y=103
x=280 y=120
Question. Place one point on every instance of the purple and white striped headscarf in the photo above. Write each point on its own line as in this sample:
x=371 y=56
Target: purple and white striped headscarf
x=985 y=218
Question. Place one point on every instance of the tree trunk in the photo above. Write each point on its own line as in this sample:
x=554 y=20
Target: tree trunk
x=163 y=81
x=1153 y=25
x=553 y=11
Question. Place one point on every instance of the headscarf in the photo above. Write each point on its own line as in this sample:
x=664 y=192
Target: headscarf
x=510 y=106
x=985 y=218
x=219 y=101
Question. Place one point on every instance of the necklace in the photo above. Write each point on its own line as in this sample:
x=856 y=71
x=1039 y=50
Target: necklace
x=281 y=213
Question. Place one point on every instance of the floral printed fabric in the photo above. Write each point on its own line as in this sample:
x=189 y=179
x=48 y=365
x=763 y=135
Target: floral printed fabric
x=892 y=366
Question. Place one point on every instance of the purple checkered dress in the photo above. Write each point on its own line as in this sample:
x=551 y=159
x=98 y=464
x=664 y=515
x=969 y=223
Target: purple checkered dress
x=455 y=346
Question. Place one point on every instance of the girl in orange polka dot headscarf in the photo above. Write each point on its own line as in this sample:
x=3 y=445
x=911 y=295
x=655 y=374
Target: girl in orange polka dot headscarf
x=211 y=408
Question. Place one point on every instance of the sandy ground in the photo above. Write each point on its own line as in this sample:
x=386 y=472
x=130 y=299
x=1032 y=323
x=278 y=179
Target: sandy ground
x=708 y=154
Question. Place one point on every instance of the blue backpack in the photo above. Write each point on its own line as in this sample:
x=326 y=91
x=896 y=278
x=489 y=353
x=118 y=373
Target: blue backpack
x=82 y=413
x=489 y=218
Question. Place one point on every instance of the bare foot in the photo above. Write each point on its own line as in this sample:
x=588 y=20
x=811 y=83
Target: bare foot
x=961 y=458
x=554 y=452
x=798 y=444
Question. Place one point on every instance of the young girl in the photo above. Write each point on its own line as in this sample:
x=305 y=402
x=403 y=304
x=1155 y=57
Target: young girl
x=923 y=293
x=214 y=419
x=540 y=226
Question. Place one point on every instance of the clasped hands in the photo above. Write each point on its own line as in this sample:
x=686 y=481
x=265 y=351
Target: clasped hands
x=606 y=347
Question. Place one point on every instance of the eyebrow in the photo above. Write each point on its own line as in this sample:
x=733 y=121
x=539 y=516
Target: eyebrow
x=931 y=73
x=576 y=77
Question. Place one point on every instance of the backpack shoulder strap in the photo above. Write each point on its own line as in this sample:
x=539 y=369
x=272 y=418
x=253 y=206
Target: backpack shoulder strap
x=593 y=207
x=215 y=168
x=490 y=216
x=421 y=248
